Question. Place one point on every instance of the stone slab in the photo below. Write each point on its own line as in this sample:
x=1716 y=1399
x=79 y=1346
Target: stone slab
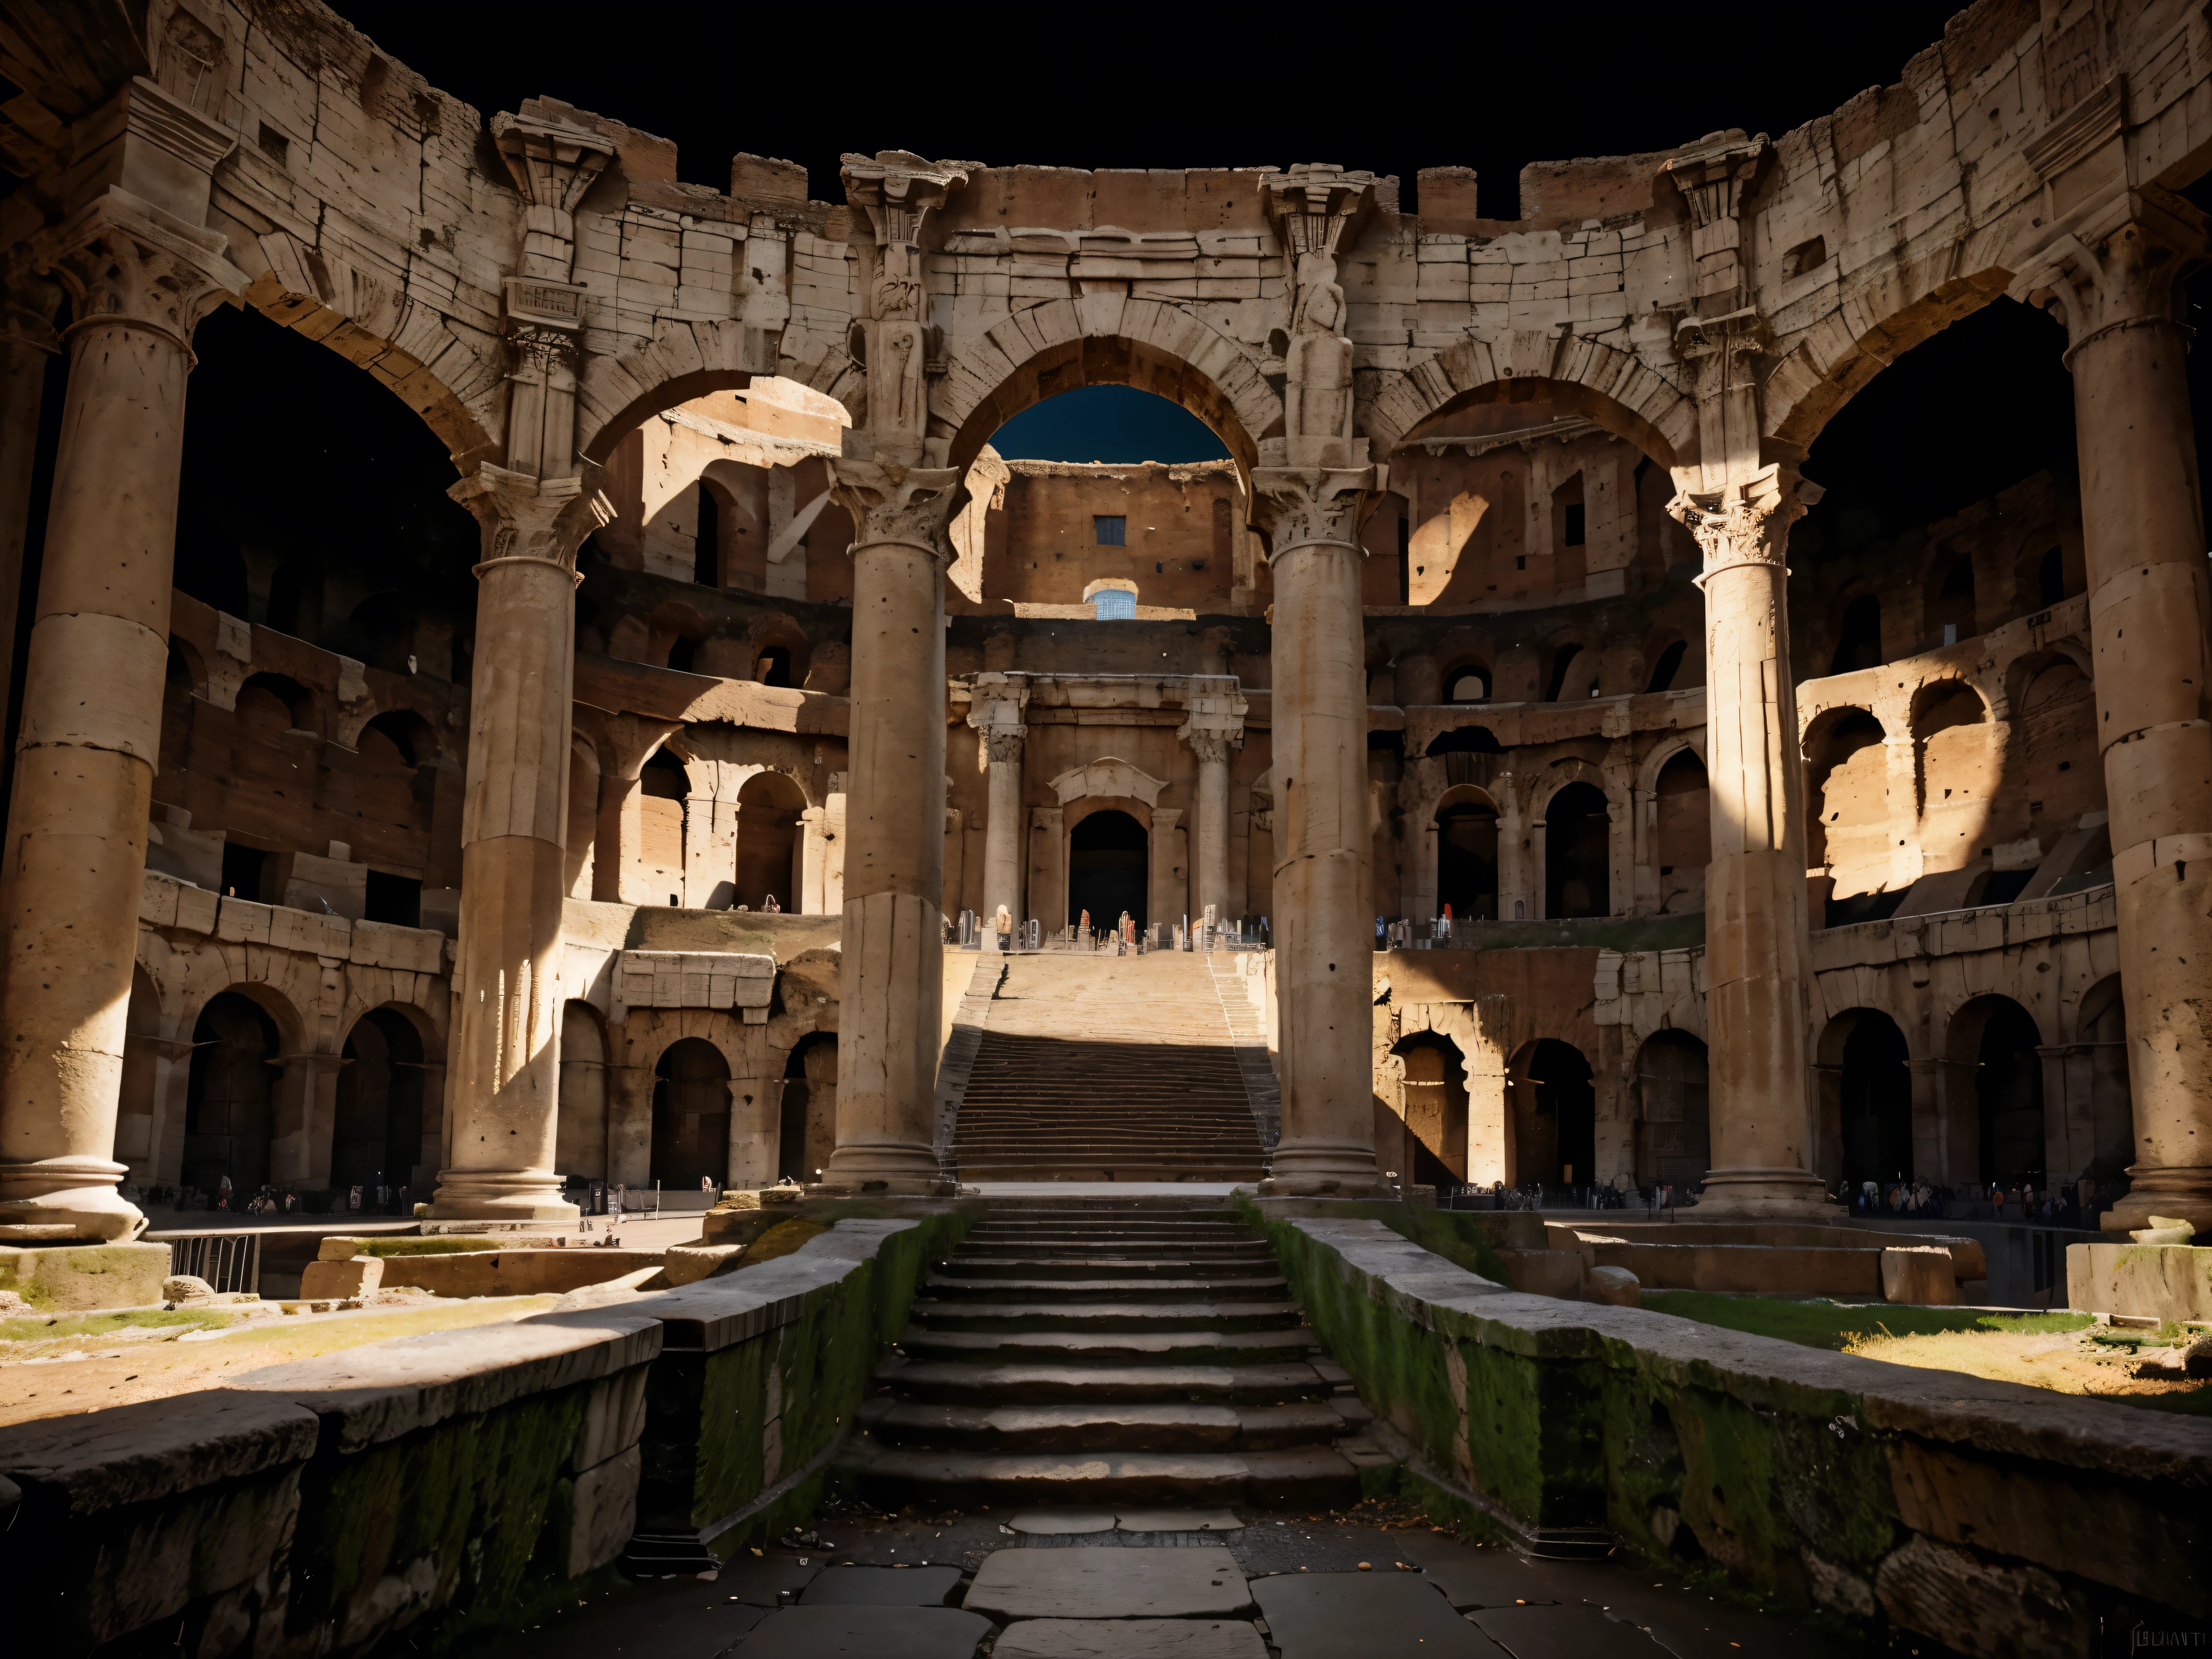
x=760 y=1581
x=81 y=1277
x=1471 y=1577
x=1572 y=1631
x=1088 y=1581
x=883 y=1587
x=1344 y=1616
x=1051 y=1522
x=1178 y=1520
x=1130 y=1638
x=865 y=1633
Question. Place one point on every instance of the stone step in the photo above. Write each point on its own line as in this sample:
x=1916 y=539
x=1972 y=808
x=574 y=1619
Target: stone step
x=1091 y=1426
x=1306 y=1476
x=1257 y=1266
x=939 y=1314
x=961 y=1286
x=1260 y=1380
x=1133 y=1347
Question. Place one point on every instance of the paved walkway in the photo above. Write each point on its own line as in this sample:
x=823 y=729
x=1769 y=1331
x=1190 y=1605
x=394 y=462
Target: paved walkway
x=1292 y=1584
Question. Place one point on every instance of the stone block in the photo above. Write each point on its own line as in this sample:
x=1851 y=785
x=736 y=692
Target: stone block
x=76 y=1278
x=1918 y=1273
x=614 y=1418
x=186 y=1287
x=338 y=1248
x=687 y=1264
x=1545 y=1272
x=1615 y=1287
x=356 y=1276
x=2141 y=1281
x=605 y=1511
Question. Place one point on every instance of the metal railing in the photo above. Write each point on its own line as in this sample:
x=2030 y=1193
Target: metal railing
x=229 y=1261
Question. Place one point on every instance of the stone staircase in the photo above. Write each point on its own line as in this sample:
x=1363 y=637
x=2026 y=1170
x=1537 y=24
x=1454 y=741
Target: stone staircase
x=1097 y=1067
x=1103 y=1351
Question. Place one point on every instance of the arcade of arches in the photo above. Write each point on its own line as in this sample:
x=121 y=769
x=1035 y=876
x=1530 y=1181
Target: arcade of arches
x=590 y=801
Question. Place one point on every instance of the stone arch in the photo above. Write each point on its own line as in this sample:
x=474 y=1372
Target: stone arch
x=1990 y=1042
x=1110 y=775
x=687 y=357
x=692 y=1102
x=1616 y=389
x=2096 y=1069
x=1663 y=752
x=1673 y=1111
x=1102 y=339
x=1864 y=1120
x=1552 y=1123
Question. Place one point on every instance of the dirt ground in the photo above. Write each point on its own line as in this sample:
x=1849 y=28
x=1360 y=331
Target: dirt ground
x=2088 y=1361
x=85 y=1363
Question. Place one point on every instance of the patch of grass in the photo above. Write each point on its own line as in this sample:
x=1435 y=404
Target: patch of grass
x=62 y=1327
x=1818 y=1322
x=405 y=1245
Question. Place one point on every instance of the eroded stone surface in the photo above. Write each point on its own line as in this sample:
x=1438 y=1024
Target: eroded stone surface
x=1090 y=1583
x=1130 y=1638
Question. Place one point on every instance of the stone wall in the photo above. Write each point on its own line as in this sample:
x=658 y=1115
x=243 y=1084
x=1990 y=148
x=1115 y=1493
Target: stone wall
x=1998 y=1519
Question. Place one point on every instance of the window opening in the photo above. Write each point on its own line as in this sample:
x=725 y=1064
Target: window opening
x=1113 y=605
x=1112 y=529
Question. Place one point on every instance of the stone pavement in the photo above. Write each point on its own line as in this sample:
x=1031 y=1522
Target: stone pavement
x=1370 y=1583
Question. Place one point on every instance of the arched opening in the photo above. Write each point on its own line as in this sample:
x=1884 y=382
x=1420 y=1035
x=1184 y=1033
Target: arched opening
x=1574 y=675
x=770 y=808
x=1858 y=642
x=1466 y=854
x=1951 y=611
x=1554 y=1117
x=1470 y=684
x=1578 y=853
x=377 y=1133
x=580 y=1145
x=1673 y=1119
x=230 y=1095
x=1664 y=671
x=1435 y=1110
x=692 y=1114
x=2097 y=1066
x=1104 y=399
x=773 y=666
x=1999 y=1039
x=399 y=738
x=1109 y=864
x=663 y=787
x=1113 y=605
x=1682 y=843
x=273 y=703
x=1847 y=785
x=807 y=1124
x=1874 y=1105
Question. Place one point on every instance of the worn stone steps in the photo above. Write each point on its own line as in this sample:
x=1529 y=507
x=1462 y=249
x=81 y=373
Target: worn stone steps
x=1135 y=1291
x=1224 y=1270
x=1094 y=1426
x=1085 y=1317
x=1091 y=1380
x=1304 y=1475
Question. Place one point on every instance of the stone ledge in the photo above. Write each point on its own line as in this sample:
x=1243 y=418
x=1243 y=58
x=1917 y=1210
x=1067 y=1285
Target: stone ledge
x=155 y=1448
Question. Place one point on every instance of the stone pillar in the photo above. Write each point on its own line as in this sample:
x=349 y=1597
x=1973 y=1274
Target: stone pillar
x=1759 y=951
x=1048 y=866
x=91 y=726
x=1213 y=750
x=625 y=743
x=1929 y=1160
x=1324 y=939
x=1004 y=824
x=813 y=853
x=304 y=1109
x=1516 y=856
x=27 y=344
x=507 y=1045
x=1167 y=889
x=2142 y=532
x=894 y=482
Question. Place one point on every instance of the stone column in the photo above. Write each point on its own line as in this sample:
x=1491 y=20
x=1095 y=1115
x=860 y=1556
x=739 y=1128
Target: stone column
x=2142 y=532
x=507 y=1045
x=1048 y=866
x=304 y=1109
x=1759 y=951
x=1930 y=1162
x=91 y=726
x=999 y=725
x=27 y=344
x=890 y=974
x=1167 y=891
x=1324 y=939
x=1212 y=749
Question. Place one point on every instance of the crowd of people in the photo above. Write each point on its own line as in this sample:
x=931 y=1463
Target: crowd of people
x=223 y=1197
x=2075 y=1202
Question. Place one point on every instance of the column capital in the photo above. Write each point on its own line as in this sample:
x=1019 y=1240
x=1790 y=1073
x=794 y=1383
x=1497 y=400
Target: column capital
x=1312 y=203
x=542 y=519
x=1004 y=742
x=122 y=259
x=898 y=191
x=1305 y=506
x=1745 y=522
x=903 y=506
x=1213 y=744
x=2127 y=277
x=553 y=164
x=1714 y=172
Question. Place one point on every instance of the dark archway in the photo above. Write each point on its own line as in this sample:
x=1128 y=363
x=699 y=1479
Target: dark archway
x=1673 y=1130
x=1109 y=864
x=1555 y=1116
x=229 y=1100
x=807 y=1124
x=1874 y=1115
x=770 y=808
x=1435 y=1110
x=1578 y=853
x=2008 y=1086
x=1466 y=857
x=692 y=1114
x=377 y=1132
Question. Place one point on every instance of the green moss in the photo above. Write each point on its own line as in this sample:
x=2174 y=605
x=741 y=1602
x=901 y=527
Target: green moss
x=1817 y=1323
x=74 y=1325
x=439 y=1245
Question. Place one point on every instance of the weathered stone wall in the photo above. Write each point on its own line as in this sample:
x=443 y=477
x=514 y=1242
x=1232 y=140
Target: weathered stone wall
x=1995 y=1518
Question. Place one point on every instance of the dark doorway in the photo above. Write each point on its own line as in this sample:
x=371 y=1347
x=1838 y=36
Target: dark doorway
x=228 y=1103
x=692 y=1114
x=1435 y=1110
x=1555 y=1128
x=1578 y=853
x=807 y=1126
x=1107 y=868
x=2008 y=1090
x=1674 y=1136
x=1466 y=860
x=377 y=1138
x=1877 y=1102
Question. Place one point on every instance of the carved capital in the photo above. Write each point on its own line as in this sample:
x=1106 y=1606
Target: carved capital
x=1714 y=172
x=1311 y=203
x=897 y=189
x=907 y=506
x=2128 y=277
x=551 y=162
x=1301 y=506
x=124 y=259
x=525 y=517
x=1747 y=522
x=1212 y=745
x=1004 y=742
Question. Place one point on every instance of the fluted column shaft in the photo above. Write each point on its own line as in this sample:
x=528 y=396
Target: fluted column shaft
x=1212 y=750
x=1002 y=828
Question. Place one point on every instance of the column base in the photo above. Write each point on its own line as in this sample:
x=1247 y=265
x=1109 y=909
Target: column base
x=1310 y=1168
x=500 y=1195
x=1760 y=1195
x=883 y=1169
x=2183 y=1192
x=57 y=1200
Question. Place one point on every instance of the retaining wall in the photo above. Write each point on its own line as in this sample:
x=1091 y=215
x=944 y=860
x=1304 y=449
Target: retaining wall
x=1999 y=1519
